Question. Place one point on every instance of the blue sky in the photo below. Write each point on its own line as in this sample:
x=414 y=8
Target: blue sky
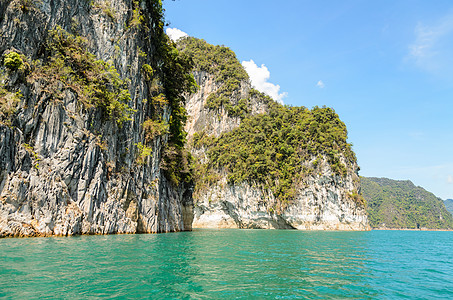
x=386 y=67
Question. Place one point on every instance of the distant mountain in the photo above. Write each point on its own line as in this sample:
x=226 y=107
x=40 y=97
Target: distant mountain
x=449 y=205
x=401 y=204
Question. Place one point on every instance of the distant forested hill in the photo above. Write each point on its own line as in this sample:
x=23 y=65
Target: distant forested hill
x=449 y=205
x=401 y=204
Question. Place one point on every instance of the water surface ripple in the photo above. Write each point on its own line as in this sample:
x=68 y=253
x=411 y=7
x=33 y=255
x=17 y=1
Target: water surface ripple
x=225 y=264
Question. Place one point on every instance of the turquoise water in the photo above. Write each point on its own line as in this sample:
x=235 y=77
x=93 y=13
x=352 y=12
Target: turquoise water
x=225 y=264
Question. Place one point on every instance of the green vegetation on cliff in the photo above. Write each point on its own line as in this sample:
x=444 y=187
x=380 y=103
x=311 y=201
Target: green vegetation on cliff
x=177 y=81
x=221 y=62
x=71 y=66
x=218 y=60
x=401 y=204
x=449 y=205
x=271 y=148
x=13 y=60
x=275 y=149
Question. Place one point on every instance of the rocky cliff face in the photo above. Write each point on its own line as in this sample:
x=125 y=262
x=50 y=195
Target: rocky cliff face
x=215 y=122
x=68 y=167
x=323 y=204
x=324 y=200
x=91 y=138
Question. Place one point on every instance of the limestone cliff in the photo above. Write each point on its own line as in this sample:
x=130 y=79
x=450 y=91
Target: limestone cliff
x=79 y=81
x=324 y=198
x=215 y=122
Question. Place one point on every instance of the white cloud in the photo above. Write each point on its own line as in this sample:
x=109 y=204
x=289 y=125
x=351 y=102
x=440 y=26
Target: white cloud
x=432 y=49
x=450 y=179
x=320 y=84
x=259 y=77
x=175 y=34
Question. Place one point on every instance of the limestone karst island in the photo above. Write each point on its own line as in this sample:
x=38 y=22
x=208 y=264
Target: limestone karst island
x=107 y=126
x=142 y=158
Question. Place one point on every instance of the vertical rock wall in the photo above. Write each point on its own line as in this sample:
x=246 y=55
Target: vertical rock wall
x=65 y=169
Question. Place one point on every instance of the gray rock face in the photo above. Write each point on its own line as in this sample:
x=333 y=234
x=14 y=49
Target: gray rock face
x=64 y=169
x=324 y=202
x=210 y=121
